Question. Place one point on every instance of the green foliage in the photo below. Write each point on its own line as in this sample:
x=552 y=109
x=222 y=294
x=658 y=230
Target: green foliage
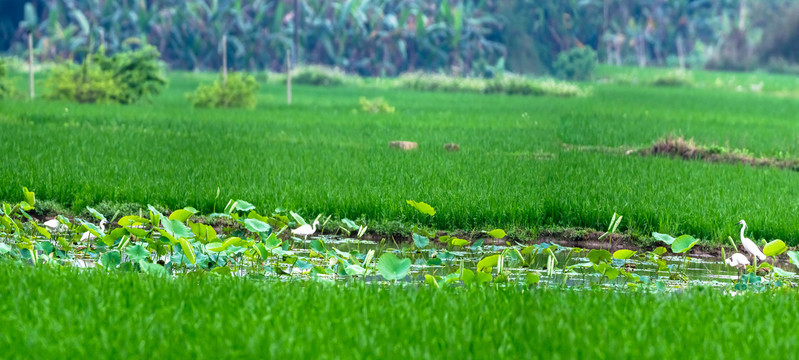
x=6 y=89
x=82 y=83
x=422 y=207
x=683 y=244
x=673 y=78
x=576 y=64
x=774 y=248
x=124 y=78
x=136 y=73
x=237 y=92
x=392 y=268
x=375 y=106
x=507 y=83
x=779 y=65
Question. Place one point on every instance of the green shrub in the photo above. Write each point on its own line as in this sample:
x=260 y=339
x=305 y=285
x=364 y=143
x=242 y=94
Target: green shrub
x=238 y=91
x=375 y=106
x=576 y=64
x=6 y=90
x=318 y=76
x=84 y=84
x=137 y=73
x=123 y=78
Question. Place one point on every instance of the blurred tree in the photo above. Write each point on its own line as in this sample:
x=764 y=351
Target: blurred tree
x=386 y=37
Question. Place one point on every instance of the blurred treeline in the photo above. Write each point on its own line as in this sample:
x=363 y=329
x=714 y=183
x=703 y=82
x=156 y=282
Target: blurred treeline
x=387 y=37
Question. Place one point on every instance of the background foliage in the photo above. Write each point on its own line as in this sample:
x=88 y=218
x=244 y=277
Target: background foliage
x=386 y=37
x=5 y=85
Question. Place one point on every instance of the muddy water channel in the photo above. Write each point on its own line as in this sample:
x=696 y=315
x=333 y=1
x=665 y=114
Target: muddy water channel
x=330 y=258
x=552 y=264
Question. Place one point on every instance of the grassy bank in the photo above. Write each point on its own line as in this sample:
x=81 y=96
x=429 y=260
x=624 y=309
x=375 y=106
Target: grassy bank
x=50 y=313
x=525 y=162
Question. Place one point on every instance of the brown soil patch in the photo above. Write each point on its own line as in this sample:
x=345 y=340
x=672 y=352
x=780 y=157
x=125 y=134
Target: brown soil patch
x=678 y=147
x=580 y=238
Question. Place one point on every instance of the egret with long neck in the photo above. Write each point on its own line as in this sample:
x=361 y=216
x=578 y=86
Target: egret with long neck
x=749 y=245
x=305 y=230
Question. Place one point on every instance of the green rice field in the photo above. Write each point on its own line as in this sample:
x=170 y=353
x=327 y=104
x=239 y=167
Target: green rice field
x=48 y=313
x=527 y=163
x=218 y=266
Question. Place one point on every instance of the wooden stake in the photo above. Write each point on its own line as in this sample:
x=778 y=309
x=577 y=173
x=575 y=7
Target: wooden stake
x=30 y=64
x=224 y=59
x=288 y=78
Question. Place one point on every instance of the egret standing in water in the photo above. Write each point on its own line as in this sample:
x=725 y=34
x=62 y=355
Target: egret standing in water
x=749 y=245
x=88 y=236
x=739 y=261
x=305 y=230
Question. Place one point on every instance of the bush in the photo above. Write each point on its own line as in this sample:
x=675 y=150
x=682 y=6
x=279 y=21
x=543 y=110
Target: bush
x=136 y=73
x=123 y=78
x=375 y=106
x=84 y=84
x=318 y=76
x=6 y=90
x=576 y=64
x=238 y=91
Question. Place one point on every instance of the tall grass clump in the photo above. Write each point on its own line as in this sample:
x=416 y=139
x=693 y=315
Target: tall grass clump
x=375 y=106
x=674 y=78
x=317 y=75
x=237 y=92
x=510 y=84
x=438 y=82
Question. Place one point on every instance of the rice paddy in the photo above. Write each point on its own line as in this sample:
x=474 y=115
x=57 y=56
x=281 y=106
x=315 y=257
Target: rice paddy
x=525 y=162
x=200 y=205
x=50 y=313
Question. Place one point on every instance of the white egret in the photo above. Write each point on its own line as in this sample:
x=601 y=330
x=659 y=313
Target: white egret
x=54 y=225
x=88 y=236
x=749 y=245
x=305 y=230
x=738 y=260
